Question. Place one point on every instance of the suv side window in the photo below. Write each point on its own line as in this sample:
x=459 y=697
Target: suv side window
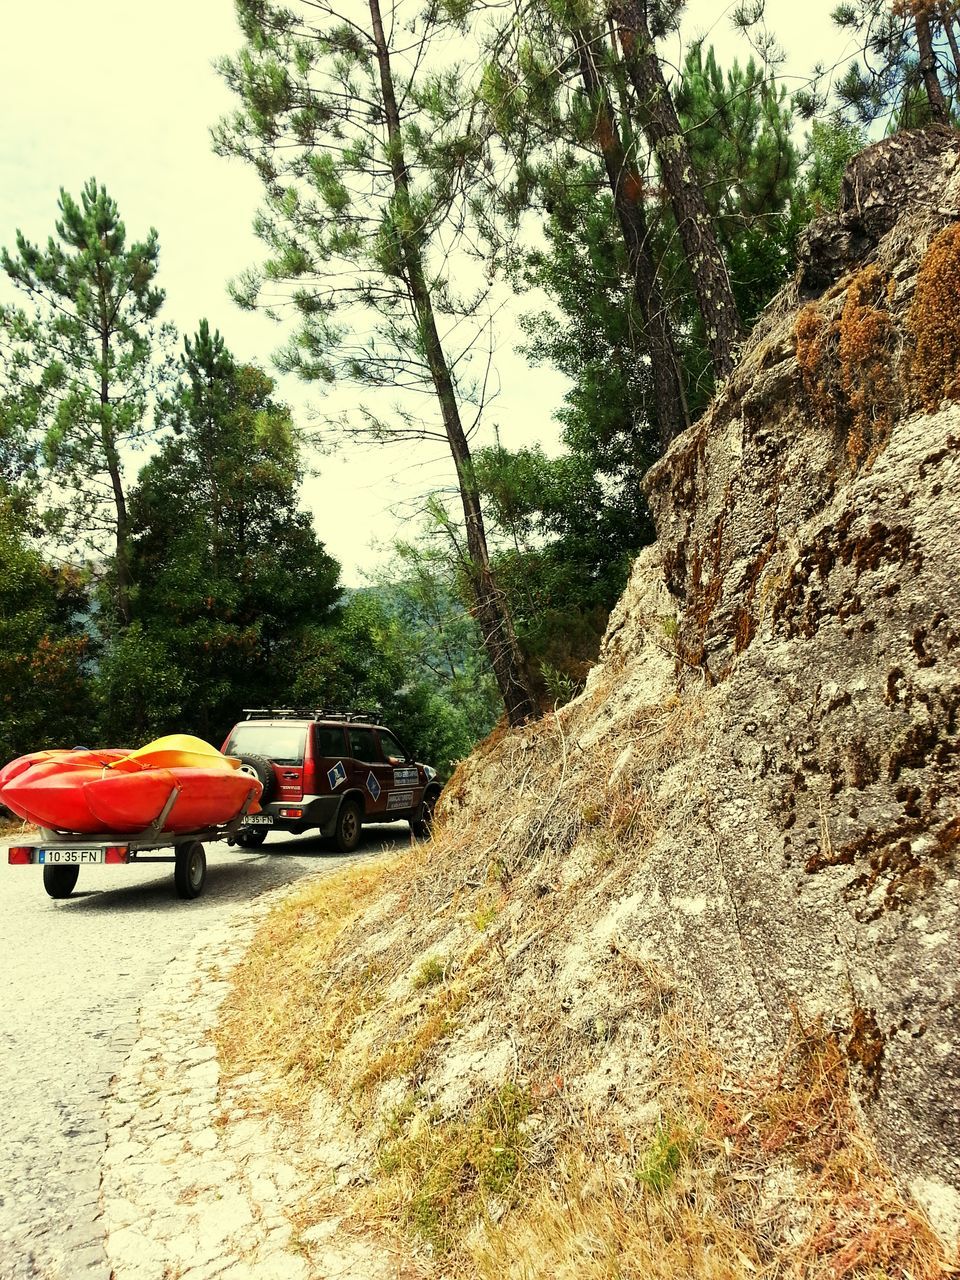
x=391 y=748
x=329 y=740
x=363 y=746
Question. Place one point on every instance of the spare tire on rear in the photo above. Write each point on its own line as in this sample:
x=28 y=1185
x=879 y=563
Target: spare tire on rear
x=261 y=768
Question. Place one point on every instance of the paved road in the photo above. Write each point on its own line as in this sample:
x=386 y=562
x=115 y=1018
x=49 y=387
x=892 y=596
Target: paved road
x=73 y=974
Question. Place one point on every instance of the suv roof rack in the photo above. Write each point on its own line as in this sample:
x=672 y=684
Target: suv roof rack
x=312 y=713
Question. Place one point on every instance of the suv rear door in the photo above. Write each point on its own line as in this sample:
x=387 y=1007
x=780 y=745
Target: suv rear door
x=331 y=758
x=368 y=770
x=281 y=743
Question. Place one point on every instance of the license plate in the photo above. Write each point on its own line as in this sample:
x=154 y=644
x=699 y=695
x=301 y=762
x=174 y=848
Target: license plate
x=258 y=820
x=70 y=856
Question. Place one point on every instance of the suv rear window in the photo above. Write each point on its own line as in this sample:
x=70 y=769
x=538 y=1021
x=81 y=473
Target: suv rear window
x=282 y=743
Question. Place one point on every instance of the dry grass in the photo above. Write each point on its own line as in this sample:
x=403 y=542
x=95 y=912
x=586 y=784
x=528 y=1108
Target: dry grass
x=767 y=1176
x=11 y=828
x=277 y=1019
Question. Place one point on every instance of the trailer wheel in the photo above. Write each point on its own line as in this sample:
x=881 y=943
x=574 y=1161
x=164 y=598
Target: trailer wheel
x=190 y=872
x=59 y=882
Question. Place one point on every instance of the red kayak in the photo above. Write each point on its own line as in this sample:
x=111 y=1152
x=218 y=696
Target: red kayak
x=205 y=798
x=79 y=757
x=96 y=792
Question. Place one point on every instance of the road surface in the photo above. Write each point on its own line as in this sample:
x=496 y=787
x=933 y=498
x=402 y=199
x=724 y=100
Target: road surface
x=73 y=975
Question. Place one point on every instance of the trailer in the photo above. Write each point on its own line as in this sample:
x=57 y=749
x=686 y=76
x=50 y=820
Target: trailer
x=62 y=854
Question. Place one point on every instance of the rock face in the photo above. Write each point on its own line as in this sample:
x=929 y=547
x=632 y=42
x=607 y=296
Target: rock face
x=806 y=579
x=809 y=539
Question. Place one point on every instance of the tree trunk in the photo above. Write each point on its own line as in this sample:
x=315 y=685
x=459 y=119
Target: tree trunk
x=950 y=31
x=948 y=17
x=490 y=607
x=694 y=224
x=939 y=113
x=626 y=185
x=109 y=444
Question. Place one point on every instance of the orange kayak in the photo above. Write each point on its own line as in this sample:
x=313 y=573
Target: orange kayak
x=96 y=792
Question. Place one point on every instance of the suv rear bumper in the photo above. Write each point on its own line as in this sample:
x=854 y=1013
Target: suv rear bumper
x=313 y=811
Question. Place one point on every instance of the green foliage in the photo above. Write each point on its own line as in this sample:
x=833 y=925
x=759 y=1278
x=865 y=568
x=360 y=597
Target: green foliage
x=454 y=1169
x=422 y=666
x=229 y=577
x=831 y=146
x=76 y=382
x=663 y=1159
x=430 y=972
x=143 y=685
x=564 y=536
x=369 y=152
x=337 y=227
x=738 y=128
x=43 y=645
x=561 y=688
x=485 y=914
x=596 y=339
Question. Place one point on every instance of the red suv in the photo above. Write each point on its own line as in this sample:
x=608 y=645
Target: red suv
x=333 y=770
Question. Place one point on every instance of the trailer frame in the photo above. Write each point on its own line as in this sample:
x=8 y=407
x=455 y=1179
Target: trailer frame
x=122 y=848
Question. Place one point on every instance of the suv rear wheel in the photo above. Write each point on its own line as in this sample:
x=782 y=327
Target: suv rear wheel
x=346 y=834
x=251 y=837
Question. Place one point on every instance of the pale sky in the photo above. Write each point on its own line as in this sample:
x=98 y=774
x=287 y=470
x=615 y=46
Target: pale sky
x=126 y=92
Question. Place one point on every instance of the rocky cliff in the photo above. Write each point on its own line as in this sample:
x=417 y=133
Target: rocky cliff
x=707 y=914
x=809 y=547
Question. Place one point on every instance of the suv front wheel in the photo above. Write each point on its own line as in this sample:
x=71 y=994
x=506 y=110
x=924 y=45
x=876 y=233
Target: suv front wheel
x=346 y=834
x=422 y=825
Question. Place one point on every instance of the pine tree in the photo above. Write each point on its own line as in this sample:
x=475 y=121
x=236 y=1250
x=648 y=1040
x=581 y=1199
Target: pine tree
x=367 y=160
x=78 y=371
x=738 y=125
x=228 y=573
x=573 y=103
x=910 y=51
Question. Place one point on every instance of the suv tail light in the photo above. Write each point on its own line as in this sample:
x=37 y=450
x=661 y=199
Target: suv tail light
x=19 y=855
x=116 y=853
x=309 y=778
x=291 y=813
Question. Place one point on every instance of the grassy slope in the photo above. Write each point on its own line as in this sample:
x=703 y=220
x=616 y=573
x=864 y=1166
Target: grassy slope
x=524 y=1104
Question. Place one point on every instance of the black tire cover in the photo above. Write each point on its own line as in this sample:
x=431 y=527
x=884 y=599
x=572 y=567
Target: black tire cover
x=262 y=767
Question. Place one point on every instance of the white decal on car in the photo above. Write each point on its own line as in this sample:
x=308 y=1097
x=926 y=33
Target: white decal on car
x=405 y=778
x=373 y=786
x=337 y=776
x=400 y=800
